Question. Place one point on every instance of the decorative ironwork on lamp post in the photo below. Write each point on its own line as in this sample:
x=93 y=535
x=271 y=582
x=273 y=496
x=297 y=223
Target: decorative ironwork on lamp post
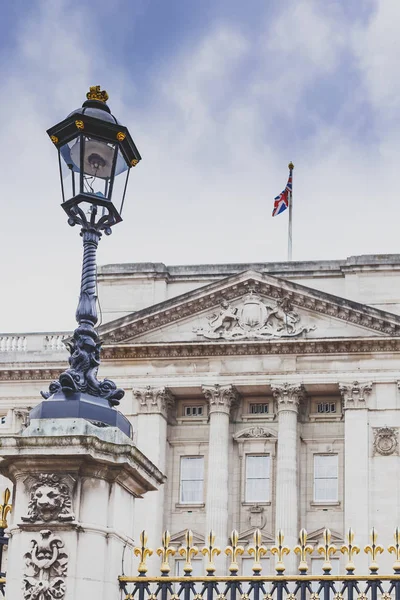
x=95 y=155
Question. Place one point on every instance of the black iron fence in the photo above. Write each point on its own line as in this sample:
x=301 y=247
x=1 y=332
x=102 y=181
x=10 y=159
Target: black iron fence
x=259 y=585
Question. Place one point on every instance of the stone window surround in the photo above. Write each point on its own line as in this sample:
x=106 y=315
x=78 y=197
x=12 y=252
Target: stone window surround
x=313 y=448
x=254 y=446
x=246 y=415
x=182 y=419
x=313 y=415
x=182 y=448
x=259 y=502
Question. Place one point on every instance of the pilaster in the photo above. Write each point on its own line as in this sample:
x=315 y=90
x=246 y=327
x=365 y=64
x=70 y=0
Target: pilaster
x=356 y=475
x=155 y=407
x=287 y=397
x=221 y=400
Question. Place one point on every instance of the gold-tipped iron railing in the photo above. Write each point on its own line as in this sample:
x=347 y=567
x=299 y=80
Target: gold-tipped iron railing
x=262 y=586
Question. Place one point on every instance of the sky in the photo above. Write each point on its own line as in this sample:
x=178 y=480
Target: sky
x=219 y=95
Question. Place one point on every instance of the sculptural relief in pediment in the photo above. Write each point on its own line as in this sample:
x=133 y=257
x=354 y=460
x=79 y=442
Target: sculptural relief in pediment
x=254 y=318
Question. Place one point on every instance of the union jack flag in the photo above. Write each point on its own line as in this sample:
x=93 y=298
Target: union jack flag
x=282 y=201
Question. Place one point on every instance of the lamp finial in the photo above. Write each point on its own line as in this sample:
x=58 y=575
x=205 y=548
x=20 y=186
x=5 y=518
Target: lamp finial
x=95 y=93
x=290 y=165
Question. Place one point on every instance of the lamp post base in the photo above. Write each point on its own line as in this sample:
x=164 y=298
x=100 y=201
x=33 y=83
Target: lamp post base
x=79 y=405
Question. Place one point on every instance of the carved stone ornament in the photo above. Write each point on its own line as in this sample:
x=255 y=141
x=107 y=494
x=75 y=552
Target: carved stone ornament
x=386 y=440
x=254 y=319
x=49 y=499
x=253 y=432
x=288 y=395
x=154 y=400
x=355 y=394
x=46 y=568
x=221 y=398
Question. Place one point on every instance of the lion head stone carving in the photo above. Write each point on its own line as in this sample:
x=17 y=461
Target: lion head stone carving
x=49 y=499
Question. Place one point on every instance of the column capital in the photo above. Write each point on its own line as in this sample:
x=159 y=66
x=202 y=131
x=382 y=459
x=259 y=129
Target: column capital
x=153 y=400
x=288 y=395
x=221 y=398
x=355 y=394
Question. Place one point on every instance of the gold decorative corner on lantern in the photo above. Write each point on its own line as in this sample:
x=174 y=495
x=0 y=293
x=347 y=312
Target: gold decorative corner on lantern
x=54 y=139
x=258 y=551
x=327 y=550
x=395 y=549
x=165 y=552
x=280 y=551
x=79 y=124
x=134 y=162
x=188 y=551
x=210 y=551
x=95 y=93
x=350 y=549
x=234 y=550
x=143 y=551
x=373 y=549
x=121 y=136
x=5 y=509
x=302 y=550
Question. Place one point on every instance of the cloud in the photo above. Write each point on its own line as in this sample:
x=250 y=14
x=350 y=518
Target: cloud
x=223 y=117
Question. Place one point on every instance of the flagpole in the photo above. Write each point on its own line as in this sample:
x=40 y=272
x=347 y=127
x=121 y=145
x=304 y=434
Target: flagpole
x=291 y=167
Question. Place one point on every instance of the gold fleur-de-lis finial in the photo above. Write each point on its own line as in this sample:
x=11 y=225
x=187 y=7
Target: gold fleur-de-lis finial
x=395 y=549
x=210 y=551
x=165 y=552
x=373 y=549
x=280 y=550
x=327 y=550
x=143 y=551
x=187 y=551
x=234 y=550
x=302 y=550
x=257 y=550
x=350 y=549
x=5 y=509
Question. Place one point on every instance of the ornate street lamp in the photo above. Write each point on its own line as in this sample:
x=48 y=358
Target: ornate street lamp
x=95 y=155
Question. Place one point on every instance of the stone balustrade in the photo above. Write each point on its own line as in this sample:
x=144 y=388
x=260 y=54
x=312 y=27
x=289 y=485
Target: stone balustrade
x=31 y=342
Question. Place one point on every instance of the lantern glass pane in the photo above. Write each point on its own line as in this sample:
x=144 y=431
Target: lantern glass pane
x=117 y=190
x=69 y=170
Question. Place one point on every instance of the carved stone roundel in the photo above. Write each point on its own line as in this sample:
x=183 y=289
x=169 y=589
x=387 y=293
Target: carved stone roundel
x=386 y=441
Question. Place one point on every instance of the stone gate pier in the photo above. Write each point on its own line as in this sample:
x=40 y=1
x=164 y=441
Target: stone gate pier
x=75 y=489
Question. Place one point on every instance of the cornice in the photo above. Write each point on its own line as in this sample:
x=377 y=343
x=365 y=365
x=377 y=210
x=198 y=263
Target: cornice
x=200 y=300
x=43 y=374
x=251 y=348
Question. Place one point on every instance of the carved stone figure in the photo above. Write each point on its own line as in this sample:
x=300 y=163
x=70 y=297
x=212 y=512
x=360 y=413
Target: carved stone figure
x=254 y=319
x=386 y=441
x=46 y=568
x=50 y=500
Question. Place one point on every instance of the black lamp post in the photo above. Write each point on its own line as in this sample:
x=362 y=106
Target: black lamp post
x=95 y=155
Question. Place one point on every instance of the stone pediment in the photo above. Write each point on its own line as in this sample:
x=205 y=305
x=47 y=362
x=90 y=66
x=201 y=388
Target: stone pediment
x=254 y=432
x=250 y=308
x=179 y=537
x=317 y=537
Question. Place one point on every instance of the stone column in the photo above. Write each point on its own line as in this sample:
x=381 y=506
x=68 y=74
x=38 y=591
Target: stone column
x=75 y=486
x=221 y=399
x=153 y=407
x=356 y=470
x=287 y=397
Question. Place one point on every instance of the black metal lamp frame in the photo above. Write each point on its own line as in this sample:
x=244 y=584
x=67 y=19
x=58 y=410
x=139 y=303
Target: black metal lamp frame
x=78 y=392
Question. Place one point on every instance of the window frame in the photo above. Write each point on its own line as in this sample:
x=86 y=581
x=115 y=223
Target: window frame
x=181 y=480
x=267 y=479
x=335 y=500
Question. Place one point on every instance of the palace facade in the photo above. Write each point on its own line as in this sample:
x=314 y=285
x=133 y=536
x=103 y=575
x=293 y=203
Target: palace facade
x=267 y=393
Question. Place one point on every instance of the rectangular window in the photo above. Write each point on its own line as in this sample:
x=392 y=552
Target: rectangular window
x=193 y=411
x=257 y=478
x=326 y=407
x=258 y=408
x=325 y=478
x=191 y=481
